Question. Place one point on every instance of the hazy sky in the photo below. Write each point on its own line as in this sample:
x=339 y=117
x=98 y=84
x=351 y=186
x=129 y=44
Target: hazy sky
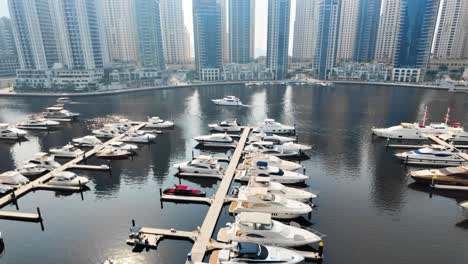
x=261 y=8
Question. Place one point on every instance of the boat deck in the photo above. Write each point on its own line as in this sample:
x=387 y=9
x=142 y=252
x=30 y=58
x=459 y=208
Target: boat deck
x=444 y=143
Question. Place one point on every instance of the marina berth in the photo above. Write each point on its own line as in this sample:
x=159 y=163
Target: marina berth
x=216 y=140
x=138 y=137
x=39 y=164
x=156 y=122
x=86 y=141
x=201 y=166
x=260 y=228
x=454 y=177
x=58 y=113
x=274 y=174
x=67 y=151
x=241 y=253
x=279 y=189
x=38 y=124
x=434 y=155
x=67 y=178
x=13 y=178
x=251 y=159
x=225 y=126
x=9 y=132
x=228 y=101
x=271 y=126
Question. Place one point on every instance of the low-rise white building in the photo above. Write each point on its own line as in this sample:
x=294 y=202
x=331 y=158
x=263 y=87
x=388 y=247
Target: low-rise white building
x=375 y=72
x=406 y=74
x=246 y=72
x=210 y=74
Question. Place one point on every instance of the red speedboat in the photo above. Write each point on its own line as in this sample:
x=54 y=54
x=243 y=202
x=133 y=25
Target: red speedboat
x=183 y=190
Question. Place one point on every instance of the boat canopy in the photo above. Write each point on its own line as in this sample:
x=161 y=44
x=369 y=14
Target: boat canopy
x=262 y=164
x=248 y=250
x=251 y=217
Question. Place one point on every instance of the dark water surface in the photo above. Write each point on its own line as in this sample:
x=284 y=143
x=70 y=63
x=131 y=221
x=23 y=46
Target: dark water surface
x=369 y=210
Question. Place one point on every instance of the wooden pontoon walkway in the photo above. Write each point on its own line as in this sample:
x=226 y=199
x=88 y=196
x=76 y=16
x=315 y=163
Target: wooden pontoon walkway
x=444 y=143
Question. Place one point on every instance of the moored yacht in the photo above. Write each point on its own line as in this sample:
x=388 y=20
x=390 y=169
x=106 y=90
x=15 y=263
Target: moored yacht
x=8 y=132
x=4 y=189
x=67 y=151
x=58 y=113
x=274 y=174
x=108 y=131
x=184 y=190
x=38 y=124
x=138 y=137
x=453 y=177
x=271 y=126
x=260 y=228
x=216 y=140
x=251 y=159
x=156 y=122
x=67 y=178
x=202 y=166
x=270 y=138
x=112 y=153
x=225 y=126
x=280 y=150
x=433 y=155
x=39 y=164
x=228 y=100
x=13 y=178
x=123 y=146
x=242 y=253
x=278 y=189
x=86 y=141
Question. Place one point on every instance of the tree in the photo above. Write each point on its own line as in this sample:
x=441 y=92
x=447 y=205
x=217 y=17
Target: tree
x=431 y=76
x=455 y=76
x=443 y=68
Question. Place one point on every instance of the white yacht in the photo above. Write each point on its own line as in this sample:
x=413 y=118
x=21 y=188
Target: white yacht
x=138 y=137
x=4 y=189
x=67 y=151
x=280 y=150
x=264 y=202
x=434 y=155
x=278 y=189
x=38 y=124
x=251 y=159
x=67 y=178
x=271 y=126
x=243 y=253
x=64 y=100
x=58 y=113
x=270 y=138
x=112 y=153
x=216 y=140
x=274 y=174
x=124 y=146
x=13 y=178
x=260 y=228
x=464 y=205
x=203 y=166
x=8 y=132
x=86 y=141
x=108 y=131
x=228 y=100
x=123 y=125
x=225 y=126
x=39 y=164
x=156 y=122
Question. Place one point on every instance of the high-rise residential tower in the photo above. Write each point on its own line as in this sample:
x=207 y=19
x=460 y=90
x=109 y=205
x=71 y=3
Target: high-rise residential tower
x=278 y=37
x=120 y=25
x=241 y=30
x=7 y=40
x=149 y=34
x=224 y=29
x=34 y=33
x=452 y=32
x=366 y=32
x=207 y=28
x=388 y=31
x=347 y=30
x=173 y=32
x=305 y=29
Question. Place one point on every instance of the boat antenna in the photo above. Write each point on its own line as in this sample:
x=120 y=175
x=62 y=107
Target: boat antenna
x=447 y=116
x=425 y=116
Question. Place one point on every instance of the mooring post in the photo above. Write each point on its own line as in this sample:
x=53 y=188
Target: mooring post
x=84 y=157
x=160 y=192
x=39 y=214
x=133 y=222
x=320 y=249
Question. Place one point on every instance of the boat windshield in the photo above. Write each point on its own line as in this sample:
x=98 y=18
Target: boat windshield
x=251 y=251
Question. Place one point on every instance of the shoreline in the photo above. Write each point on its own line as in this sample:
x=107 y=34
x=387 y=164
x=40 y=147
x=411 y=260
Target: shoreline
x=409 y=85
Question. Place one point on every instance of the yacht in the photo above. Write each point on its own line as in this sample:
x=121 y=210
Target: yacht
x=111 y=153
x=57 y=113
x=279 y=189
x=64 y=100
x=39 y=164
x=108 y=131
x=274 y=174
x=8 y=132
x=138 y=137
x=251 y=159
x=123 y=125
x=225 y=126
x=271 y=126
x=216 y=140
x=38 y=124
x=228 y=100
x=280 y=150
x=67 y=178
x=270 y=138
x=204 y=166
x=264 y=202
x=119 y=145
x=242 y=253
x=434 y=155
x=260 y=228
x=156 y=122
x=13 y=178
x=464 y=205
x=4 y=189
x=454 y=177
x=183 y=190
x=86 y=141
x=67 y=151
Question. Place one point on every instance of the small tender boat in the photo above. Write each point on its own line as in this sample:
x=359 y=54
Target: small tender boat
x=278 y=189
x=58 y=113
x=39 y=164
x=453 y=177
x=241 y=253
x=13 y=178
x=270 y=138
x=464 y=205
x=264 y=202
x=434 y=155
x=4 y=189
x=67 y=178
x=225 y=126
x=202 y=166
x=138 y=137
x=38 y=124
x=86 y=141
x=64 y=100
x=108 y=131
x=67 y=151
x=216 y=140
x=112 y=153
x=124 y=146
x=228 y=100
x=183 y=190
x=260 y=228
x=280 y=150
x=271 y=126
x=8 y=132
x=251 y=159
x=274 y=174
x=156 y=122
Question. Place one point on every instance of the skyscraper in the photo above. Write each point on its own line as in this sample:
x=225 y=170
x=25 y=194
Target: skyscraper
x=225 y=35
x=207 y=28
x=34 y=33
x=173 y=32
x=327 y=37
x=149 y=33
x=305 y=29
x=120 y=25
x=347 y=32
x=388 y=31
x=366 y=32
x=452 y=31
x=278 y=37
x=241 y=30
x=7 y=40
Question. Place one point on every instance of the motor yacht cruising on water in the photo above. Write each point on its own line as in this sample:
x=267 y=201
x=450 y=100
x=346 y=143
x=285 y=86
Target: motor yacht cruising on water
x=64 y=100
x=67 y=178
x=455 y=178
x=289 y=149
x=201 y=166
x=86 y=141
x=433 y=155
x=260 y=228
x=271 y=126
x=228 y=101
x=225 y=126
x=274 y=174
x=58 y=113
x=9 y=132
x=278 y=189
x=216 y=140
x=38 y=124
x=39 y=164
x=156 y=122
x=251 y=159
x=242 y=253
x=138 y=137
x=67 y=151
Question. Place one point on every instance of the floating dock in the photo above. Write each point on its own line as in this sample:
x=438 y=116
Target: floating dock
x=444 y=143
